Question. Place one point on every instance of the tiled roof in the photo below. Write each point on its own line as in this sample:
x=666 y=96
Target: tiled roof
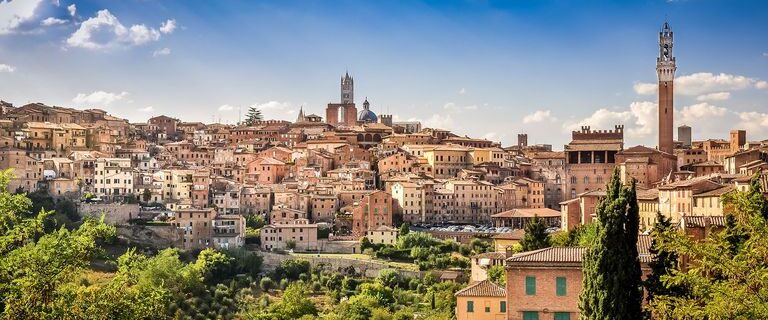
x=701 y=221
x=528 y=213
x=516 y=234
x=490 y=255
x=717 y=192
x=649 y=194
x=644 y=242
x=483 y=288
x=553 y=255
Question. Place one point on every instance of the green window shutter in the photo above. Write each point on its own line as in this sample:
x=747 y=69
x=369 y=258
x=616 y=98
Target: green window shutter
x=470 y=306
x=530 y=315
x=562 y=316
x=503 y=306
x=530 y=285
x=560 y=286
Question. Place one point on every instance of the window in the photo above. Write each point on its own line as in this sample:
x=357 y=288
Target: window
x=530 y=315
x=503 y=306
x=562 y=316
x=530 y=285
x=470 y=306
x=560 y=286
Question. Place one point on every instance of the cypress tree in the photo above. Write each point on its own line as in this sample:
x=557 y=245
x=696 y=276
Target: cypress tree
x=611 y=285
x=536 y=236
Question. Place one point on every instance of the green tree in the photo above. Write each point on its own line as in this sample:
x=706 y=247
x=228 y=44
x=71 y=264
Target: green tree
x=253 y=116
x=497 y=275
x=146 y=195
x=404 y=229
x=663 y=262
x=611 y=283
x=722 y=280
x=536 y=236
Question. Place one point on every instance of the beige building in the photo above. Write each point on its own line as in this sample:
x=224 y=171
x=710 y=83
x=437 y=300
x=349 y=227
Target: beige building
x=299 y=232
x=383 y=235
x=480 y=264
x=409 y=201
x=475 y=201
x=27 y=171
x=676 y=199
x=482 y=300
x=590 y=159
x=113 y=177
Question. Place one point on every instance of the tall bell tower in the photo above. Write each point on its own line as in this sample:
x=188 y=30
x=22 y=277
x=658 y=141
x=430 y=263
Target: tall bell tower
x=347 y=89
x=665 y=69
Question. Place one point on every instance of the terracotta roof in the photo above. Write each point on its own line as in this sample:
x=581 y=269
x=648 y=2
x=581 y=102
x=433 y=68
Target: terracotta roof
x=553 y=255
x=717 y=192
x=528 y=213
x=491 y=255
x=650 y=194
x=483 y=288
x=644 y=242
x=516 y=234
x=702 y=221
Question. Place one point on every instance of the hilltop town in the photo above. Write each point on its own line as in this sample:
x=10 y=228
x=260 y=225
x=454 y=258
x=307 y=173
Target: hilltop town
x=332 y=189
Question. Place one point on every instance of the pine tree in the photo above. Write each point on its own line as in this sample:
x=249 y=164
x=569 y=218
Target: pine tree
x=664 y=261
x=611 y=285
x=404 y=229
x=536 y=236
x=253 y=116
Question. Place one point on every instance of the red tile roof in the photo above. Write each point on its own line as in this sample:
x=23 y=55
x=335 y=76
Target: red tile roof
x=528 y=213
x=549 y=256
x=483 y=288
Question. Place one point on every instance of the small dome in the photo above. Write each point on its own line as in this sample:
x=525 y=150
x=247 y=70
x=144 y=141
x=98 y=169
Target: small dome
x=366 y=115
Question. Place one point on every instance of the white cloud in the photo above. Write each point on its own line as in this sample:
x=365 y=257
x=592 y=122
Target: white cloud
x=7 y=68
x=450 y=106
x=168 y=26
x=715 y=96
x=105 y=31
x=99 y=98
x=272 y=105
x=72 y=9
x=147 y=109
x=15 y=14
x=645 y=88
x=462 y=91
x=756 y=123
x=539 y=116
x=51 y=21
x=639 y=120
x=226 y=107
x=438 y=121
x=161 y=52
x=765 y=54
x=489 y=136
x=705 y=82
x=695 y=114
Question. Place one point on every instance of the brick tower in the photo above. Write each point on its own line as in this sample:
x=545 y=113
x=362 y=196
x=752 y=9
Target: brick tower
x=665 y=69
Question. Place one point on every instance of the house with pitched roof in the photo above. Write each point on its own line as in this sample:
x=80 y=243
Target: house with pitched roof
x=482 y=300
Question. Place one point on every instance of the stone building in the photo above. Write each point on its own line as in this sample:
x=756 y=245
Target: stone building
x=590 y=159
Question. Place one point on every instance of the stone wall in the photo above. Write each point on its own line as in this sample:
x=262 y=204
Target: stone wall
x=340 y=264
x=159 y=237
x=114 y=213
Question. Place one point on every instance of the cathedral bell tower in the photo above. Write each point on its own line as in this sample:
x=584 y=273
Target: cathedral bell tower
x=347 y=89
x=665 y=70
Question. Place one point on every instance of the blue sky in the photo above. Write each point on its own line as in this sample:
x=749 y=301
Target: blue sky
x=481 y=68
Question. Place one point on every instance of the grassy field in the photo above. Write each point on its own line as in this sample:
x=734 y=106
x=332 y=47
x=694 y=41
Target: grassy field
x=359 y=256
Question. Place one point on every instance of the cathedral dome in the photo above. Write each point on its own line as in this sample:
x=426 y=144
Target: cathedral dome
x=366 y=115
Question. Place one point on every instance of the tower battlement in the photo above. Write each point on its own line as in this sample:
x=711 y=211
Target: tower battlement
x=586 y=133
